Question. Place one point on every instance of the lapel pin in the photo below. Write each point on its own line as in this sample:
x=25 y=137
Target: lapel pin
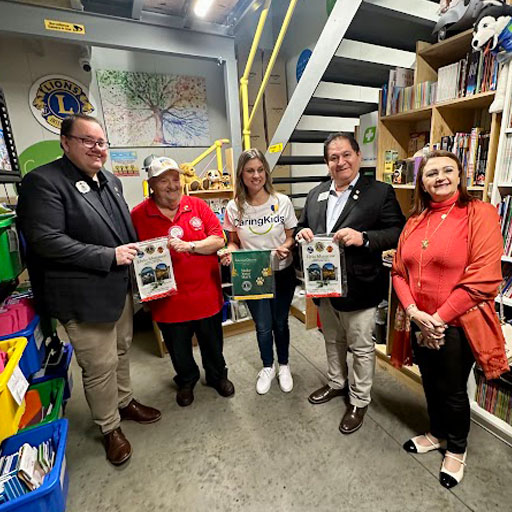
x=82 y=187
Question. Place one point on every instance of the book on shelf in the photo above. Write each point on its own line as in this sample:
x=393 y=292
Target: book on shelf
x=495 y=396
x=448 y=82
x=505 y=165
x=472 y=149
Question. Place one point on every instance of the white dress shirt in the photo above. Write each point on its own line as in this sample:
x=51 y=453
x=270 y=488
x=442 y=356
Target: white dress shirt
x=336 y=203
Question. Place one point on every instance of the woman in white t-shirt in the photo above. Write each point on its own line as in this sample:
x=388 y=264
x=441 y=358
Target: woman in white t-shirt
x=261 y=218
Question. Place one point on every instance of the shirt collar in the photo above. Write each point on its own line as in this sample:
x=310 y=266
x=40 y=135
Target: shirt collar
x=102 y=179
x=332 y=189
x=153 y=210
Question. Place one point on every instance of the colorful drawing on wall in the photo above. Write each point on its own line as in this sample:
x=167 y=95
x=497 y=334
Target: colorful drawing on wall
x=145 y=109
x=52 y=98
x=124 y=163
x=38 y=154
x=5 y=161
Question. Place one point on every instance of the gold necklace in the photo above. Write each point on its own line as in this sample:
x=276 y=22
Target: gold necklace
x=426 y=241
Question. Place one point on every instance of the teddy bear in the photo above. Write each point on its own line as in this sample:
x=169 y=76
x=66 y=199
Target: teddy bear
x=495 y=23
x=189 y=179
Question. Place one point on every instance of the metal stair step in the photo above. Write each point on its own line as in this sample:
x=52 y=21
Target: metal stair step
x=300 y=160
x=302 y=179
x=339 y=108
x=356 y=72
x=309 y=136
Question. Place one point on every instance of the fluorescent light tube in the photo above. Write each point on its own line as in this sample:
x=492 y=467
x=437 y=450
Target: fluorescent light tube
x=202 y=7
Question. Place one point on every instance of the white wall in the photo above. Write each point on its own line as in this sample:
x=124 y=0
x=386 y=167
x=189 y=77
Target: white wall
x=23 y=61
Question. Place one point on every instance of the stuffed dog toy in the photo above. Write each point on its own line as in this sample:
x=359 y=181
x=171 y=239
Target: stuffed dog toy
x=494 y=24
x=213 y=180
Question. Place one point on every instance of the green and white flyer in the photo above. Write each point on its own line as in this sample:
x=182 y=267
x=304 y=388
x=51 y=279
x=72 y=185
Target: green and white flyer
x=251 y=275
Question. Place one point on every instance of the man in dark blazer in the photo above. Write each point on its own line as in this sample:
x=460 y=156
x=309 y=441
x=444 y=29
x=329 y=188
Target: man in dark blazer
x=364 y=216
x=80 y=244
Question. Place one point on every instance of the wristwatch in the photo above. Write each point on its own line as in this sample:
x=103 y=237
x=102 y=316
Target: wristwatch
x=366 y=240
x=192 y=246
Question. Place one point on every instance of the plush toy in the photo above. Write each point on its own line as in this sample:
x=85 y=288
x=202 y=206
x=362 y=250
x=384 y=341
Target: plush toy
x=226 y=181
x=494 y=23
x=213 y=180
x=189 y=178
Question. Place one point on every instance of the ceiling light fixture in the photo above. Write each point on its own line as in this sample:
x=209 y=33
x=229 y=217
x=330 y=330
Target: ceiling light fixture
x=202 y=7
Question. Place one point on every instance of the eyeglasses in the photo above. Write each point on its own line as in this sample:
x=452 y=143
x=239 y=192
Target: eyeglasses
x=91 y=143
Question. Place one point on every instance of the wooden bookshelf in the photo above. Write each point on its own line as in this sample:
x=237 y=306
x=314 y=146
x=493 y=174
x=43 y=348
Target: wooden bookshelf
x=441 y=119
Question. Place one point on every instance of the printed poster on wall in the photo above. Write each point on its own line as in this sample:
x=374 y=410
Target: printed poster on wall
x=324 y=269
x=149 y=109
x=124 y=163
x=153 y=270
x=251 y=275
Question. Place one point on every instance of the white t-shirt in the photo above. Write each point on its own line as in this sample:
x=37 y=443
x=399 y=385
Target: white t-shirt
x=263 y=226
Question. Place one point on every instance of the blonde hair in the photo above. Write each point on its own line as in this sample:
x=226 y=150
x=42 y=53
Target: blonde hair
x=240 y=188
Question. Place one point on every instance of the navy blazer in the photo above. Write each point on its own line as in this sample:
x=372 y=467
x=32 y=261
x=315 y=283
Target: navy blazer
x=372 y=207
x=71 y=243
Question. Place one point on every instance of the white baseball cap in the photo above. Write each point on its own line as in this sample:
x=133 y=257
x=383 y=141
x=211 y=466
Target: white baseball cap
x=160 y=165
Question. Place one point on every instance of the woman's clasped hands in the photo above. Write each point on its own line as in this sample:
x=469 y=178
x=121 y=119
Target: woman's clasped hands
x=432 y=328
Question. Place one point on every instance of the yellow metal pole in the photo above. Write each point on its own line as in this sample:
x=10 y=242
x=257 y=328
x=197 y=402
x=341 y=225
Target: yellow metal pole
x=210 y=150
x=244 y=81
x=145 y=188
x=218 y=149
x=273 y=57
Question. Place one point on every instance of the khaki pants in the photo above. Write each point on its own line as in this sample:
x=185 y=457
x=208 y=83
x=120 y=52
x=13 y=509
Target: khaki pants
x=352 y=330
x=102 y=352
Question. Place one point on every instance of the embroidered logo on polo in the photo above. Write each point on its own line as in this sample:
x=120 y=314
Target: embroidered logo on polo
x=55 y=97
x=176 y=232
x=196 y=223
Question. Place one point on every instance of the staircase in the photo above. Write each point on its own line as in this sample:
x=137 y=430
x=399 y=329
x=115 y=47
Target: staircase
x=359 y=43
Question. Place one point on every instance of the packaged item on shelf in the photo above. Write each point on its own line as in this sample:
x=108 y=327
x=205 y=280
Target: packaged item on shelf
x=38 y=479
x=10 y=259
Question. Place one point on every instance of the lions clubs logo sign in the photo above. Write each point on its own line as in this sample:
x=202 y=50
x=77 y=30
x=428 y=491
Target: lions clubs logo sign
x=53 y=98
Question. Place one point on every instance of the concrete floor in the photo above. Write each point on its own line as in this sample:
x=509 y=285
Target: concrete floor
x=273 y=452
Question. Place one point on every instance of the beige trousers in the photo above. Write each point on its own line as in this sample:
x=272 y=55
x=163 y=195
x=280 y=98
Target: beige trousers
x=102 y=352
x=344 y=330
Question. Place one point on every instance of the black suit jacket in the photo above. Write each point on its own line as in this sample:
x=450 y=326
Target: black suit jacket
x=71 y=244
x=376 y=211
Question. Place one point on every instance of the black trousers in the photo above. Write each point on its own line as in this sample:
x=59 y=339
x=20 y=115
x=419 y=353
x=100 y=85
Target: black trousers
x=445 y=375
x=178 y=340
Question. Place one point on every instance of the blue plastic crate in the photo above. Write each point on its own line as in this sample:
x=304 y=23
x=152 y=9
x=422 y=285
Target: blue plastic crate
x=33 y=356
x=52 y=495
x=61 y=370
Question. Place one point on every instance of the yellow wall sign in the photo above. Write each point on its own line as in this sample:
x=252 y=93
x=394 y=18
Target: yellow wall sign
x=64 y=26
x=276 y=148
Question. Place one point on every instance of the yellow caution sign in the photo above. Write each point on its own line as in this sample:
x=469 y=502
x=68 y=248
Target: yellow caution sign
x=64 y=26
x=276 y=148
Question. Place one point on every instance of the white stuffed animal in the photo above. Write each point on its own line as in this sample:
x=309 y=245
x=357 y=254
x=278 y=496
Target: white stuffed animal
x=495 y=23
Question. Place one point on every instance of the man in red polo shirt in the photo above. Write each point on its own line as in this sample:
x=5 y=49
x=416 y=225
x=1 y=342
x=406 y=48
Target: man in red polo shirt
x=195 y=236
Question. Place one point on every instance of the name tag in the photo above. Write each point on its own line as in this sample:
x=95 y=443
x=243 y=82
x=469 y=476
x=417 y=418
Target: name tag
x=323 y=196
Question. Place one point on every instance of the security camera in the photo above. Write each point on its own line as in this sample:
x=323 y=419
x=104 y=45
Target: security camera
x=85 y=64
x=84 y=60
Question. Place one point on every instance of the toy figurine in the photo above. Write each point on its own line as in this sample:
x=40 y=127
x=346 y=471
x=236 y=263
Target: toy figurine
x=494 y=23
x=213 y=180
x=189 y=178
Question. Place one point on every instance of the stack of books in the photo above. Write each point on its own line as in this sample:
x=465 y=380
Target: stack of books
x=24 y=471
x=505 y=212
x=495 y=396
x=477 y=72
x=506 y=161
x=472 y=149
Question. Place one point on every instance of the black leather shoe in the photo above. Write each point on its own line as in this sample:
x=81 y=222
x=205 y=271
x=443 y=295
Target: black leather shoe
x=185 y=396
x=353 y=419
x=224 y=387
x=326 y=393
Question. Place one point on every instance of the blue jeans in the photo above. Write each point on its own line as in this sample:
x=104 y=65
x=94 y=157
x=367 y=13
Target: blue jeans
x=271 y=318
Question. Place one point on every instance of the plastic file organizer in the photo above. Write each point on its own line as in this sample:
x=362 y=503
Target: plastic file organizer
x=34 y=353
x=62 y=370
x=51 y=496
x=10 y=411
x=46 y=389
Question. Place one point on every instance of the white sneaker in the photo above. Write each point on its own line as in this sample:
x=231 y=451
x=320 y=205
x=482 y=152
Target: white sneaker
x=265 y=378
x=285 y=378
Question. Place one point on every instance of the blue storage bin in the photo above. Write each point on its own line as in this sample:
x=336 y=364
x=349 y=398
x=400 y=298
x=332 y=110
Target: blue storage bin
x=62 y=370
x=33 y=357
x=52 y=495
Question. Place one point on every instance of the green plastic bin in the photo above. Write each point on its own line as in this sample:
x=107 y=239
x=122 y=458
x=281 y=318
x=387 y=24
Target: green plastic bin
x=10 y=260
x=55 y=388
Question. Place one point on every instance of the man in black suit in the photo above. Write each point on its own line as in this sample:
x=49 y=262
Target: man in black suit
x=79 y=248
x=366 y=219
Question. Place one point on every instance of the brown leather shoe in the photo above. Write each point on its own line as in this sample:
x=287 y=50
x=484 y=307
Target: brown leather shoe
x=140 y=413
x=326 y=393
x=185 y=396
x=224 y=387
x=117 y=447
x=353 y=419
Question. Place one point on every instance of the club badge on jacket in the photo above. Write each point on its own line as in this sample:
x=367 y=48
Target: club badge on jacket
x=82 y=187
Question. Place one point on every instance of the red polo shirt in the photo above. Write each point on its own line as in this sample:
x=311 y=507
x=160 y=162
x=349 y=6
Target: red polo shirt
x=197 y=276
